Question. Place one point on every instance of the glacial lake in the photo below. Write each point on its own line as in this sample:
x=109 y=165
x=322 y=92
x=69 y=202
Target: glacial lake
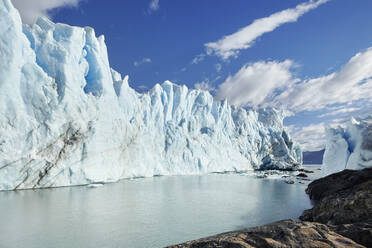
x=148 y=212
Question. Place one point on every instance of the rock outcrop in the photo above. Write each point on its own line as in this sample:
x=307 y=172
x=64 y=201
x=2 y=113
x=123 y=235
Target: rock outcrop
x=344 y=202
x=341 y=198
x=358 y=232
x=287 y=233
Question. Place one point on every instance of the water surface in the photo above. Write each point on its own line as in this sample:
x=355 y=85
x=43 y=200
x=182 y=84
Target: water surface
x=150 y=212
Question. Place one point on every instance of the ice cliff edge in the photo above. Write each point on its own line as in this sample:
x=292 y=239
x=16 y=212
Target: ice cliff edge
x=67 y=118
x=349 y=147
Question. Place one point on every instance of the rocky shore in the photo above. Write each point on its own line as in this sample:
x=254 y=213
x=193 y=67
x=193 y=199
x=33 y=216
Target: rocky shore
x=343 y=201
x=341 y=217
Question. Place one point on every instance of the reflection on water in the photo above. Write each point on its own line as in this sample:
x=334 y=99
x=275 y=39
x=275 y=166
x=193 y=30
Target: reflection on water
x=151 y=212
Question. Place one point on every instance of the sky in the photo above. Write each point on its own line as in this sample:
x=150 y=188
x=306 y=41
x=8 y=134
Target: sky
x=310 y=58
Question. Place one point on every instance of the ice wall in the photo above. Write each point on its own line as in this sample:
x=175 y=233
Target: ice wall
x=67 y=118
x=348 y=148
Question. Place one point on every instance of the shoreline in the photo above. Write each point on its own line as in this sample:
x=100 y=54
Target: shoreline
x=253 y=171
x=345 y=193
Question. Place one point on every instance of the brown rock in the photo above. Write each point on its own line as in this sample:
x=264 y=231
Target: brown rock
x=341 y=198
x=287 y=233
x=344 y=180
x=359 y=232
x=344 y=202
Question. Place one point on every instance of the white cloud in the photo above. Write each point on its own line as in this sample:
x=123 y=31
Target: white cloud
x=198 y=59
x=340 y=111
x=141 y=62
x=352 y=83
x=30 y=10
x=339 y=122
x=273 y=84
x=230 y=45
x=154 y=6
x=255 y=84
x=311 y=138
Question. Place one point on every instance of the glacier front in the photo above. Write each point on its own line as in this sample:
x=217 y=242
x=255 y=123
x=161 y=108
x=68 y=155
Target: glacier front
x=349 y=147
x=67 y=118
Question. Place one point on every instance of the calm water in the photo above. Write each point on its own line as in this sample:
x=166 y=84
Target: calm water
x=151 y=212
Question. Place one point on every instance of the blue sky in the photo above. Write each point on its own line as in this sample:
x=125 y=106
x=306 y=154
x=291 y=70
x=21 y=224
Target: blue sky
x=311 y=58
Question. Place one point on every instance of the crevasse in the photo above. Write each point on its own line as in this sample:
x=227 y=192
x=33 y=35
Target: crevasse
x=67 y=118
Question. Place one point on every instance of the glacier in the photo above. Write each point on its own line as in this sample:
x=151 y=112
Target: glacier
x=67 y=118
x=348 y=147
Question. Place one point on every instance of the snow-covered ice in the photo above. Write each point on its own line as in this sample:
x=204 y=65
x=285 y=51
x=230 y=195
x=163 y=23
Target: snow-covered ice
x=348 y=148
x=67 y=118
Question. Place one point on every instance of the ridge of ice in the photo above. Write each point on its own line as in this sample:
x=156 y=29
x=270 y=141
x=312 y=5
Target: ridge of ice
x=349 y=147
x=67 y=118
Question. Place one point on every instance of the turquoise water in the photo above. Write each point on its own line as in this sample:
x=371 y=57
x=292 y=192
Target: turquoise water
x=150 y=212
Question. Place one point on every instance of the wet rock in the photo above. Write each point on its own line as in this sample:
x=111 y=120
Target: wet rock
x=302 y=175
x=286 y=233
x=305 y=171
x=289 y=181
x=304 y=179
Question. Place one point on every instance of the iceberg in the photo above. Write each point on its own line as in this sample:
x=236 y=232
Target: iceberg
x=67 y=118
x=349 y=147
